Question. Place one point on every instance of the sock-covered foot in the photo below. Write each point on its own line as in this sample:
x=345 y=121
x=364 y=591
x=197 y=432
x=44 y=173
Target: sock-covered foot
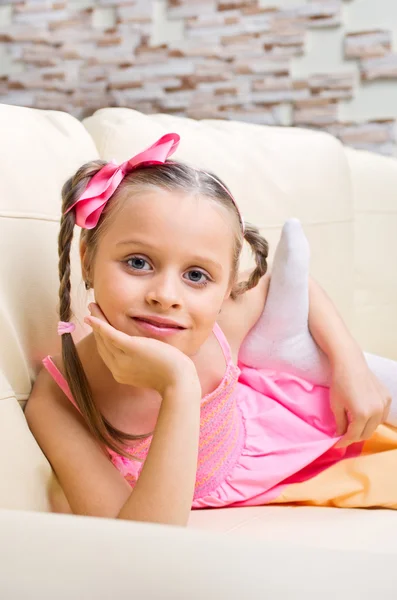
x=281 y=338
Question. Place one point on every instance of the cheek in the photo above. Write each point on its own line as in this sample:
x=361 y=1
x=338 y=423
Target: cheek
x=207 y=305
x=204 y=312
x=114 y=290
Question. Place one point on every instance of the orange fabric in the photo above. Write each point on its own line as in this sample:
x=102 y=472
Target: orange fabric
x=368 y=480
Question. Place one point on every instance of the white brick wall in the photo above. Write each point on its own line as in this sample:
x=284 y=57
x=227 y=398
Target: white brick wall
x=329 y=64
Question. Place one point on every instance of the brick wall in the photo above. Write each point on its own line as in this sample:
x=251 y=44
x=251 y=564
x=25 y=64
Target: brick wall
x=234 y=61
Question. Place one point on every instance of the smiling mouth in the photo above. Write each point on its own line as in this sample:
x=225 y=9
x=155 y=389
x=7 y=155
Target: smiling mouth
x=159 y=324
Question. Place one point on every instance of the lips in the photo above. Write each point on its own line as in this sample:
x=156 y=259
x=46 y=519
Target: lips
x=160 y=323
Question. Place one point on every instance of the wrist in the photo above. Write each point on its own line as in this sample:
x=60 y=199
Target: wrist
x=348 y=355
x=184 y=380
x=183 y=392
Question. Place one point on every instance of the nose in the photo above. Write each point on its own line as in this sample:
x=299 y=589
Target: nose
x=164 y=292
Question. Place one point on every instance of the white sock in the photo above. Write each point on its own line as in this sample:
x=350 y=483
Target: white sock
x=281 y=338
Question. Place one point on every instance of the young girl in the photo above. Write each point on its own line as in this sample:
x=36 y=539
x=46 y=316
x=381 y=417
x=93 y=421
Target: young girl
x=149 y=415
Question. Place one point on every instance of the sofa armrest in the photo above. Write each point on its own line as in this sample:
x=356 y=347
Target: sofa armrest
x=25 y=473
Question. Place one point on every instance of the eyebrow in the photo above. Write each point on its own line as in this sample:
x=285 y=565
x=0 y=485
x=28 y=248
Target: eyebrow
x=129 y=242
x=195 y=259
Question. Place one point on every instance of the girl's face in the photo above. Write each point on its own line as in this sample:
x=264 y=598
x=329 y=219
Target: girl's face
x=162 y=267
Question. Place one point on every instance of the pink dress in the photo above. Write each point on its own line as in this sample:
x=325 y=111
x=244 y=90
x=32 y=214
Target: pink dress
x=259 y=432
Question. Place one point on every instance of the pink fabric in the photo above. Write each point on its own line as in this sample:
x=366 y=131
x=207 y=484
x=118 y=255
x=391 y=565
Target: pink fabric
x=290 y=434
x=260 y=431
x=102 y=186
x=104 y=183
x=65 y=327
x=59 y=379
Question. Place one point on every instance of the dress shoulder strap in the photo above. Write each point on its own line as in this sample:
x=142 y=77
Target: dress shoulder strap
x=224 y=344
x=59 y=379
x=63 y=384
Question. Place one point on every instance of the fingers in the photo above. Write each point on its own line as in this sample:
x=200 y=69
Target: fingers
x=361 y=428
x=352 y=434
x=386 y=410
x=99 y=323
x=371 y=426
x=102 y=337
x=386 y=398
x=120 y=342
x=97 y=312
x=116 y=341
x=99 y=326
x=342 y=423
x=104 y=352
x=341 y=419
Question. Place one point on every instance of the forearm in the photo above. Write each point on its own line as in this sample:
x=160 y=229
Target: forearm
x=164 y=491
x=328 y=329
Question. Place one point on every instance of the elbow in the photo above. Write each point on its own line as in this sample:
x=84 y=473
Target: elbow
x=155 y=519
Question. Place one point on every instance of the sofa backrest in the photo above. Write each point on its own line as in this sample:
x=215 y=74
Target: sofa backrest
x=374 y=180
x=39 y=151
x=274 y=173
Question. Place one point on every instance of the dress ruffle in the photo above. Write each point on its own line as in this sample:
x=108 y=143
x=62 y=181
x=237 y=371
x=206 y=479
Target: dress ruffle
x=290 y=435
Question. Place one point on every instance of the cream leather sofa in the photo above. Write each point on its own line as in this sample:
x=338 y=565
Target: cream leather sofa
x=347 y=202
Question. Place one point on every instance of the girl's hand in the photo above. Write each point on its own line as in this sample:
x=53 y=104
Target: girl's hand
x=139 y=361
x=359 y=401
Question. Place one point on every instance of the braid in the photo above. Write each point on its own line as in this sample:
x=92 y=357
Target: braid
x=260 y=250
x=64 y=245
x=77 y=380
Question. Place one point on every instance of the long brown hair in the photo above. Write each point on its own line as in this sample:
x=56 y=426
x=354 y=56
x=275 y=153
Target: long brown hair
x=170 y=176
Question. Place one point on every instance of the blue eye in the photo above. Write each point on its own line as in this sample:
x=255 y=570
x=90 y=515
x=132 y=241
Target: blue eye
x=198 y=277
x=138 y=263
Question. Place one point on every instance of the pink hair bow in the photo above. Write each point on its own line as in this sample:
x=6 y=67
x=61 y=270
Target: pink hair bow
x=102 y=186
